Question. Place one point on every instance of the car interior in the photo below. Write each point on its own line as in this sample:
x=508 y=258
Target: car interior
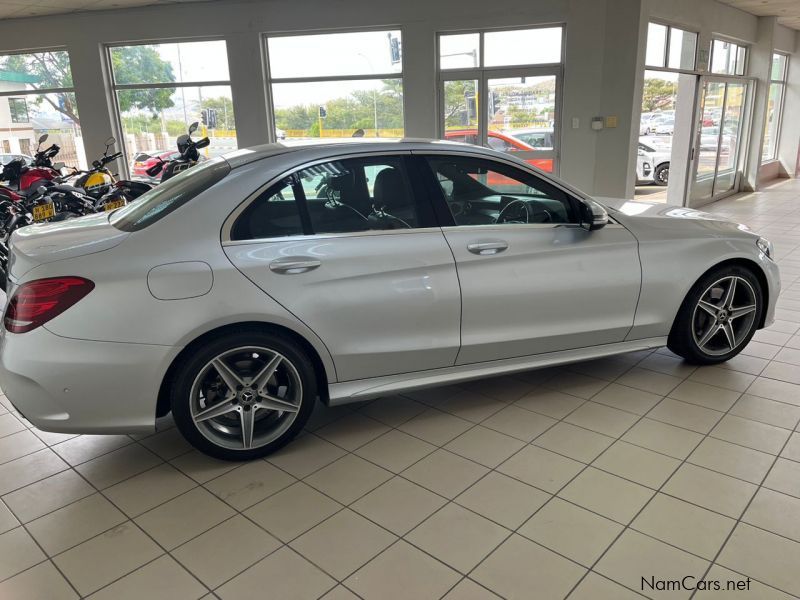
x=480 y=192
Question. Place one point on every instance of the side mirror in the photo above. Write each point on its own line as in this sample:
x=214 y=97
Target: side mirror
x=193 y=128
x=43 y=138
x=593 y=216
x=110 y=142
x=58 y=166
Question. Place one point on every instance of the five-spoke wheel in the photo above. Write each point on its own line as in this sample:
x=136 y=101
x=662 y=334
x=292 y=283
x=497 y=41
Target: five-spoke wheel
x=240 y=400
x=718 y=317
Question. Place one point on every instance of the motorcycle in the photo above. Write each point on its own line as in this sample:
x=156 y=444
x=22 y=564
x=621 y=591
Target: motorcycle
x=24 y=180
x=189 y=156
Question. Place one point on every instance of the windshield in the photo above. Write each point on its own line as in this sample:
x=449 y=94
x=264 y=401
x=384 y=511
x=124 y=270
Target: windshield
x=170 y=195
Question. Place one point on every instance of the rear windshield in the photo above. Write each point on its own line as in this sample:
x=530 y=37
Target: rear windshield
x=170 y=195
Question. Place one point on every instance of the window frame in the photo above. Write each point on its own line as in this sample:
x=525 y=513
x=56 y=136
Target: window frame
x=778 y=109
x=739 y=46
x=269 y=80
x=482 y=74
x=114 y=87
x=445 y=216
x=13 y=111
x=667 y=44
x=428 y=215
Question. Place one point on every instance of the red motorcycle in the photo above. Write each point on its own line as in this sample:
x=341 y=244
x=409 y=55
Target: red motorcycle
x=24 y=180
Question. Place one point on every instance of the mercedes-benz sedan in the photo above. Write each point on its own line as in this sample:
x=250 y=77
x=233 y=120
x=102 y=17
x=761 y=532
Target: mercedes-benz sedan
x=239 y=292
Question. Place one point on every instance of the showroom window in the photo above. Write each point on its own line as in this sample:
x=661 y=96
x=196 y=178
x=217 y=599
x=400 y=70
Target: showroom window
x=777 y=89
x=728 y=58
x=37 y=97
x=670 y=48
x=336 y=85
x=160 y=89
x=502 y=89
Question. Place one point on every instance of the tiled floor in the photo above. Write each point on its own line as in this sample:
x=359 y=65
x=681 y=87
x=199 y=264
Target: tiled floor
x=574 y=482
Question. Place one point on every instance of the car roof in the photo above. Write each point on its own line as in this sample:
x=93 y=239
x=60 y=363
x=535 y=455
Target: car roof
x=245 y=156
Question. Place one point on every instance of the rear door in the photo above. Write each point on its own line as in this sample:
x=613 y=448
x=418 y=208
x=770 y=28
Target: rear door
x=348 y=247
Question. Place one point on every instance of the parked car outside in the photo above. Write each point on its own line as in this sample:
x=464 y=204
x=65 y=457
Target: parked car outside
x=7 y=158
x=502 y=143
x=247 y=288
x=658 y=156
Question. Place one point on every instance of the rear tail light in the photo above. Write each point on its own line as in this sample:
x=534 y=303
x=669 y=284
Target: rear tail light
x=36 y=302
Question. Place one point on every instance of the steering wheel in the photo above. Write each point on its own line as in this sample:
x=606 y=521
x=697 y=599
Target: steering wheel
x=502 y=214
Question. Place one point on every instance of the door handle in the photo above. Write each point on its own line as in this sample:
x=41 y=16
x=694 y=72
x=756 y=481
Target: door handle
x=293 y=266
x=487 y=248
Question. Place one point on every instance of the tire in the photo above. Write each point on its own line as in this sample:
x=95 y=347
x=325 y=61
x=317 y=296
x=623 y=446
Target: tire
x=661 y=174
x=213 y=416
x=715 y=317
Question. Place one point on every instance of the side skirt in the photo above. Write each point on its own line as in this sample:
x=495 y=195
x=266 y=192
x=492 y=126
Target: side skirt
x=365 y=389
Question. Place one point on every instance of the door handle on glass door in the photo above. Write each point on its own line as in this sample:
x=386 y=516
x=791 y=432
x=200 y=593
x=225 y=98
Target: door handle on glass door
x=487 y=248
x=293 y=265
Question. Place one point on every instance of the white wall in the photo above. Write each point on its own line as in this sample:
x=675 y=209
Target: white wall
x=602 y=73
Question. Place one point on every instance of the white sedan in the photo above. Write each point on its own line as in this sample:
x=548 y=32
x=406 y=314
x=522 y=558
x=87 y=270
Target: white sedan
x=241 y=291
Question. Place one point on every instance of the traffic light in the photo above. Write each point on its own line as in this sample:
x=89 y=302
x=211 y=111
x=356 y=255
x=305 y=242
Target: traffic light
x=212 y=118
x=323 y=112
x=394 y=49
x=204 y=117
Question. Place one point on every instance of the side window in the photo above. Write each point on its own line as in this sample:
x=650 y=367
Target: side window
x=483 y=192
x=499 y=144
x=275 y=213
x=359 y=194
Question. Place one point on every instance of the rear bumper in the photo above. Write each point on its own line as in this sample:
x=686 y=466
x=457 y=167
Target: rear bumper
x=79 y=386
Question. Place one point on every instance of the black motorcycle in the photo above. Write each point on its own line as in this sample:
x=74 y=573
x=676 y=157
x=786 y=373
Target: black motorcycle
x=188 y=158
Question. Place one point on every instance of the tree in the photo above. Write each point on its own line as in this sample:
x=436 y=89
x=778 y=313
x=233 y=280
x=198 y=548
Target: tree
x=131 y=64
x=356 y=111
x=658 y=94
x=459 y=103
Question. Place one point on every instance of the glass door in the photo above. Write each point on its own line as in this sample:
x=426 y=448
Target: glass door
x=509 y=110
x=722 y=130
x=521 y=116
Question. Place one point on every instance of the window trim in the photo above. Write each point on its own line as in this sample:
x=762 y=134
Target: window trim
x=404 y=156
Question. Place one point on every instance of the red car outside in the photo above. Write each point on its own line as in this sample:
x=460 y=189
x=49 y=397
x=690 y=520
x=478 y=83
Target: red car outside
x=144 y=160
x=501 y=142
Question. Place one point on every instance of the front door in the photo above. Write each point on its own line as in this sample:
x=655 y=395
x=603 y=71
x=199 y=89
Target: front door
x=347 y=247
x=532 y=280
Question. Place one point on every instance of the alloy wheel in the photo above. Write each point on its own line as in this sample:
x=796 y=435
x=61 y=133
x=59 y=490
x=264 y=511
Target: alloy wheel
x=724 y=315
x=246 y=397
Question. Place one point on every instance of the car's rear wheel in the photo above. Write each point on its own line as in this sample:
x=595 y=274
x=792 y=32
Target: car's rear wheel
x=244 y=395
x=718 y=317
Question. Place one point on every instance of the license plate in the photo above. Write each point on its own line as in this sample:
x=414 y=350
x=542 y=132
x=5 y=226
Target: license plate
x=114 y=204
x=44 y=211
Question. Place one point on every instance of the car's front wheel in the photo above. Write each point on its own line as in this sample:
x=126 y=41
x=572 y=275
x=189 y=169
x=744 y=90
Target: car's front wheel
x=661 y=174
x=718 y=317
x=244 y=395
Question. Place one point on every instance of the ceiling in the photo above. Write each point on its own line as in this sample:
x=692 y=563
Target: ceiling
x=787 y=11
x=15 y=9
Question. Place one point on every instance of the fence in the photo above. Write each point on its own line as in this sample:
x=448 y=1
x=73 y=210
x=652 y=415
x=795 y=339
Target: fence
x=344 y=133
